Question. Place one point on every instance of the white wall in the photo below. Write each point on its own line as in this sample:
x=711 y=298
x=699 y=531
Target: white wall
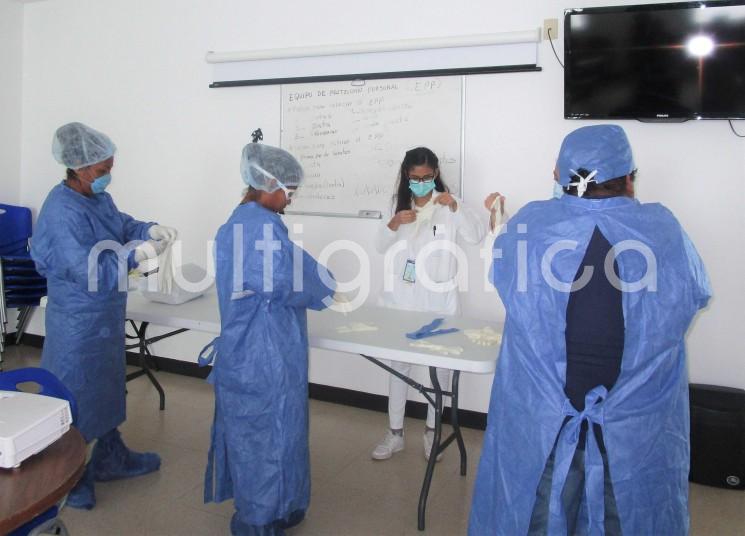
x=11 y=57
x=136 y=70
x=11 y=61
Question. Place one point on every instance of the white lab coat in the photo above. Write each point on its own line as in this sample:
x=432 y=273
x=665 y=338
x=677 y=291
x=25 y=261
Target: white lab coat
x=437 y=263
x=412 y=242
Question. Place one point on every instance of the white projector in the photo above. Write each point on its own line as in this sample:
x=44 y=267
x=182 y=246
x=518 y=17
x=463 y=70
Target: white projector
x=29 y=423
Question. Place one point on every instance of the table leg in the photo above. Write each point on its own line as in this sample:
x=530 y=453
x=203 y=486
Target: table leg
x=141 y=333
x=456 y=423
x=438 y=446
x=435 y=448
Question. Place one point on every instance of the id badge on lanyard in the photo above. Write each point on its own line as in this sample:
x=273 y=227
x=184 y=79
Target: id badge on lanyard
x=410 y=271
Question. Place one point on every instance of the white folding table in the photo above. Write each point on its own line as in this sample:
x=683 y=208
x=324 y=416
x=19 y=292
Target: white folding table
x=388 y=342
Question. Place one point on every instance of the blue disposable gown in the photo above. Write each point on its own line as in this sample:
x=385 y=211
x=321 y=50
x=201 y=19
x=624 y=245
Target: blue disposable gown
x=644 y=418
x=84 y=341
x=259 y=452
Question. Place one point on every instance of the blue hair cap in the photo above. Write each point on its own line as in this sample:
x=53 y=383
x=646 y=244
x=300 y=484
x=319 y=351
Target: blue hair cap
x=76 y=146
x=269 y=168
x=603 y=149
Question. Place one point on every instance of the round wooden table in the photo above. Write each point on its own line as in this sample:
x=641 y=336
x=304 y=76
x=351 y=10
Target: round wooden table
x=41 y=481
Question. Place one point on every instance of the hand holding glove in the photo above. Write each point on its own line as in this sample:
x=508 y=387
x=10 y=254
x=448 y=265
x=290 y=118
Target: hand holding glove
x=494 y=203
x=149 y=250
x=402 y=217
x=491 y=202
x=447 y=200
x=161 y=232
x=341 y=303
x=341 y=297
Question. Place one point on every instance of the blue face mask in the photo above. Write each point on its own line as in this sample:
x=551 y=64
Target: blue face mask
x=558 y=190
x=420 y=189
x=100 y=184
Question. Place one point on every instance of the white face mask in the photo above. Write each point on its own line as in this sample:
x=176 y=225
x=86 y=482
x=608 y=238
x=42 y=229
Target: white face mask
x=558 y=190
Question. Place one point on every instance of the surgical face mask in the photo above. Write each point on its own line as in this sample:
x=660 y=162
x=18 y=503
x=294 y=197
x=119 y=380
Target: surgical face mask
x=100 y=184
x=558 y=190
x=420 y=189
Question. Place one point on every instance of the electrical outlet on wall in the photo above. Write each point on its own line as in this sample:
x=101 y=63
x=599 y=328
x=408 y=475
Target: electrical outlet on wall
x=553 y=25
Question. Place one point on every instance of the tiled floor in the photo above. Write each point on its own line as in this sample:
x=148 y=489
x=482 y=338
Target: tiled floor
x=352 y=495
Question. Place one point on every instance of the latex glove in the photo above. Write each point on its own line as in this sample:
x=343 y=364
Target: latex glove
x=484 y=336
x=341 y=303
x=356 y=327
x=494 y=203
x=491 y=202
x=341 y=297
x=149 y=250
x=161 y=232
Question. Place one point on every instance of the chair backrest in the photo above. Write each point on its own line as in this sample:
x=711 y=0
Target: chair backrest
x=15 y=230
x=49 y=383
x=22 y=285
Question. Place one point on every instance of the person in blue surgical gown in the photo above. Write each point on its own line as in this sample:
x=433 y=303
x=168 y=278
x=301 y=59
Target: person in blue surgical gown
x=588 y=420
x=265 y=283
x=85 y=247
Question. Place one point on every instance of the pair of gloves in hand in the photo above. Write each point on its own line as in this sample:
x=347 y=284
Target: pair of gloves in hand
x=160 y=238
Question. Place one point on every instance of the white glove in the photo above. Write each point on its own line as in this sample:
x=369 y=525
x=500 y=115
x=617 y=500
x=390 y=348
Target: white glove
x=341 y=297
x=149 y=250
x=341 y=303
x=161 y=232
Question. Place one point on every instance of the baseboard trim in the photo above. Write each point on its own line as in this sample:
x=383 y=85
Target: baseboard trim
x=373 y=402
x=325 y=393
x=36 y=341
x=173 y=366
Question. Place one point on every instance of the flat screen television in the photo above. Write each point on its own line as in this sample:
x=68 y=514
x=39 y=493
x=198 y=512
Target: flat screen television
x=675 y=61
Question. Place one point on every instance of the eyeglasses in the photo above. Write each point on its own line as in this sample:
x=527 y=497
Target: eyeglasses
x=288 y=193
x=419 y=180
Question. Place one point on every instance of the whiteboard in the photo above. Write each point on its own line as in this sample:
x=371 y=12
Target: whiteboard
x=350 y=138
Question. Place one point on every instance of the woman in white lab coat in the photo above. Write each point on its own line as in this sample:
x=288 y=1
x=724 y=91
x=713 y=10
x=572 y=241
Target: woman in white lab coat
x=421 y=263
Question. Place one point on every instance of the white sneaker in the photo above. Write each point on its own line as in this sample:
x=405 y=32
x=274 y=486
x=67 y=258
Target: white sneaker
x=429 y=438
x=391 y=444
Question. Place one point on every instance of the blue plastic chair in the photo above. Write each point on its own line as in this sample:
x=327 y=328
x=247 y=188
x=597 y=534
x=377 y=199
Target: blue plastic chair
x=16 y=225
x=21 y=286
x=50 y=385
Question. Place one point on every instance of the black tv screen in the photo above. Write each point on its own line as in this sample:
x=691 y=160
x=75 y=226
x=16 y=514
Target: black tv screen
x=683 y=60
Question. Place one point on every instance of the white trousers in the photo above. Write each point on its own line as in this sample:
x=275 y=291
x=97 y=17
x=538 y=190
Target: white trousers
x=398 y=391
